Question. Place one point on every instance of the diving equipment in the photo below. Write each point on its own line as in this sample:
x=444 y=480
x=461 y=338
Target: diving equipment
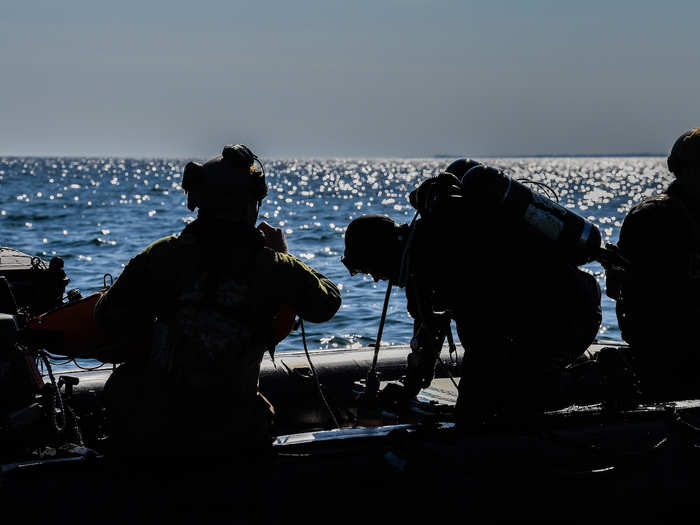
x=460 y=166
x=489 y=190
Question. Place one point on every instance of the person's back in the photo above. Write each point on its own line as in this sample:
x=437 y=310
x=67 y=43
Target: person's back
x=522 y=312
x=210 y=296
x=658 y=297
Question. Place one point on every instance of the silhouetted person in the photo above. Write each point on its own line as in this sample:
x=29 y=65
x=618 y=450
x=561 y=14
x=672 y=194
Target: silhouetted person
x=208 y=297
x=658 y=297
x=522 y=310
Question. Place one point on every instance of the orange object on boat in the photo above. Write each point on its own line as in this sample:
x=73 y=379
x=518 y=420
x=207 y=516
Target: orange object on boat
x=70 y=329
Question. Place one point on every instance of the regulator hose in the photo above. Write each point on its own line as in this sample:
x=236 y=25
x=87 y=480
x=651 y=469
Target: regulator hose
x=315 y=374
x=55 y=400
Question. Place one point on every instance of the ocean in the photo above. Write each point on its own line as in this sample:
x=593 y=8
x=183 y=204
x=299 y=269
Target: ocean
x=97 y=213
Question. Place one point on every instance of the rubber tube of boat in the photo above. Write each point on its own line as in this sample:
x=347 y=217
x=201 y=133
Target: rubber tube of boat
x=576 y=238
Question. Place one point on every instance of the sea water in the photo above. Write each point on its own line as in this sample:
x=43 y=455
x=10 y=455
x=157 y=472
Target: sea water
x=97 y=213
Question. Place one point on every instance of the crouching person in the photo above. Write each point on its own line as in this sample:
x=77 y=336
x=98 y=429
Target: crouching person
x=522 y=311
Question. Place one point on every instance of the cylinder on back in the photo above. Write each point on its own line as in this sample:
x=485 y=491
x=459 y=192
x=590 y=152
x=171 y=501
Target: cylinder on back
x=490 y=190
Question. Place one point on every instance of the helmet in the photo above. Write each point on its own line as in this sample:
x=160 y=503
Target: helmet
x=685 y=152
x=370 y=245
x=227 y=181
x=460 y=166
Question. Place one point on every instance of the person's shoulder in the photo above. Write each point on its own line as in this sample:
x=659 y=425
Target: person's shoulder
x=277 y=259
x=655 y=220
x=657 y=208
x=165 y=243
x=169 y=246
x=270 y=261
x=652 y=204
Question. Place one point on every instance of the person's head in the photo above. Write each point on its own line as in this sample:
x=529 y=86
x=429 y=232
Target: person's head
x=228 y=186
x=684 y=159
x=374 y=245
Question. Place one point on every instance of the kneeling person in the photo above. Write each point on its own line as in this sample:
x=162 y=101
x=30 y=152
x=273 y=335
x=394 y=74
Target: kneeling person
x=209 y=297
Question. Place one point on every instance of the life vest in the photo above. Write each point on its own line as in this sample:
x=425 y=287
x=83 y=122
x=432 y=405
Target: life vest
x=212 y=339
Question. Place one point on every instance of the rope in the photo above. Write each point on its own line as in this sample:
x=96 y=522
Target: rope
x=75 y=426
x=447 y=369
x=55 y=395
x=61 y=362
x=315 y=374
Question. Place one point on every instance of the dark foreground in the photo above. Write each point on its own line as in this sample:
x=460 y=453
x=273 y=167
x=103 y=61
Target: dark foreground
x=573 y=466
x=588 y=463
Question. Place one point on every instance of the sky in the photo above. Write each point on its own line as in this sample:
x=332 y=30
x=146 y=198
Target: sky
x=360 y=78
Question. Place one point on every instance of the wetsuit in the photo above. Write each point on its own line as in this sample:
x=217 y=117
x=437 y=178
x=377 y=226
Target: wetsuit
x=658 y=299
x=209 y=297
x=522 y=313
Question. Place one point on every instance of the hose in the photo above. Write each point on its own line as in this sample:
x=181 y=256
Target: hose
x=315 y=374
x=372 y=380
x=54 y=397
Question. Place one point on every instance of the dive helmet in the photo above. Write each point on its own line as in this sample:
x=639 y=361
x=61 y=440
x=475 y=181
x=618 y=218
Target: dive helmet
x=228 y=180
x=685 y=152
x=370 y=245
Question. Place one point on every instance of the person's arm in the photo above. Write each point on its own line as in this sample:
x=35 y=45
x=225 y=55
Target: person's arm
x=125 y=309
x=651 y=241
x=312 y=295
x=429 y=332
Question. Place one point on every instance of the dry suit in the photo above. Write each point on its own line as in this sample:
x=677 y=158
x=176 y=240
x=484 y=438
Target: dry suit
x=658 y=297
x=209 y=297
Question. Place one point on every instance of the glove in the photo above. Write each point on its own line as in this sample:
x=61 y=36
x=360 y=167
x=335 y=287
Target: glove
x=420 y=373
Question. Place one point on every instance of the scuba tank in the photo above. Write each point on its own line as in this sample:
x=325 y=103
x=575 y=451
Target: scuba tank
x=567 y=233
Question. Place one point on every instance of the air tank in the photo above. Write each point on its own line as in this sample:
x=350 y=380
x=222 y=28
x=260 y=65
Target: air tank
x=575 y=238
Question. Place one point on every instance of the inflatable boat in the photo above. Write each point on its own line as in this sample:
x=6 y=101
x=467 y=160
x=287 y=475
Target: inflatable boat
x=341 y=453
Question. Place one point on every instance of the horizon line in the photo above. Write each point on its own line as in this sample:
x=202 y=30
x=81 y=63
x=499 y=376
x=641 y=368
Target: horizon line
x=311 y=157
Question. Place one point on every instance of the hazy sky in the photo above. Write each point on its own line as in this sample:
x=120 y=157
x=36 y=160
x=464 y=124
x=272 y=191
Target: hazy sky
x=352 y=78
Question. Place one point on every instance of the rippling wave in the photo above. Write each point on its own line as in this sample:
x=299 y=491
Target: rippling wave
x=97 y=213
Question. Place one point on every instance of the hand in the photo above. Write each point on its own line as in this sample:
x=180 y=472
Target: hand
x=274 y=237
x=419 y=373
x=394 y=396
